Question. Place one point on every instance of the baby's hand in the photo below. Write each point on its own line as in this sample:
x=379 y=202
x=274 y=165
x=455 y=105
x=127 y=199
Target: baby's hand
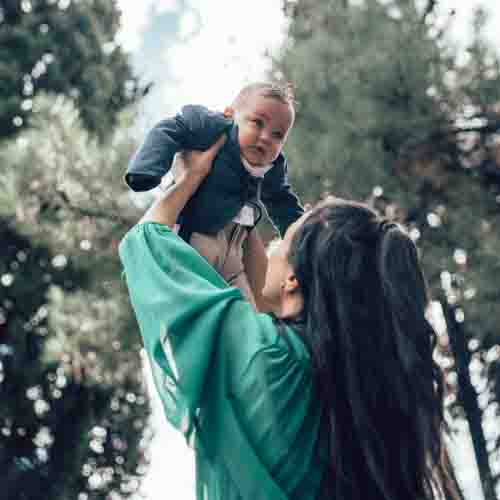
x=198 y=163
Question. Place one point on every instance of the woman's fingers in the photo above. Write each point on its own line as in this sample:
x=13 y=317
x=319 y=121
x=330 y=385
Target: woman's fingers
x=212 y=151
x=200 y=162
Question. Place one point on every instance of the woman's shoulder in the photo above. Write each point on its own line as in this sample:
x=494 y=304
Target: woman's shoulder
x=256 y=342
x=142 y=229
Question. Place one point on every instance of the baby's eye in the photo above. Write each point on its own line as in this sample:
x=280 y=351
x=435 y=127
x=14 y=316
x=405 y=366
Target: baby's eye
x=258 y=122
x=278 y=135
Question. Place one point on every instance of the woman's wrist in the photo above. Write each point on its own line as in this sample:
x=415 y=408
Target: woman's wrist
x=166 y=210
x=191 y=180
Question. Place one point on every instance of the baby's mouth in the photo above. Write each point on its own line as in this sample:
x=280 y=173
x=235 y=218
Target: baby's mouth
x=258 y=149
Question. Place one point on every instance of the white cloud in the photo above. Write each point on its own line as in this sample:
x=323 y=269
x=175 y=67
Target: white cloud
x=134 y=20
x=136 y=16
x=227 y=51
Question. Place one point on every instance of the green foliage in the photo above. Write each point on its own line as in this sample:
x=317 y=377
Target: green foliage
x=69 y=195
x=74 y=418
x=67 y=47
x=64 y=187
x=66 y=428
x=362 y=77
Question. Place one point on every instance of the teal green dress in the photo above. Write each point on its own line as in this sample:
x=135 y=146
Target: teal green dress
x=237 y=387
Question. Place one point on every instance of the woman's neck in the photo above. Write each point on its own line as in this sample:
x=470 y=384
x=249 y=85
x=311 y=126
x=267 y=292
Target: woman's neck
x=291 y=307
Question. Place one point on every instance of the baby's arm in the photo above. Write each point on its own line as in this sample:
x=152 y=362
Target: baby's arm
x=154 y=157
x=194 y=128
x=282 y=204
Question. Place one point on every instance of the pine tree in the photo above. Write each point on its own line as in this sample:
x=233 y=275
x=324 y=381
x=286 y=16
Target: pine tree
x=75 y=421
x=61 y=435
x=391 y=113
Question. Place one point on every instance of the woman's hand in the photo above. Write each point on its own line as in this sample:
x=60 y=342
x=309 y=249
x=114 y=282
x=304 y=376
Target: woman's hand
x=197 y=164
x=190 y=169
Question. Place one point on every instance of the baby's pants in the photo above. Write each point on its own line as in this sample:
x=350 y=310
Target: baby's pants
x=224 y=251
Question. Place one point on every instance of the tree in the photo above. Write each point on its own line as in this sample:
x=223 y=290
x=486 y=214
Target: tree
x=66 y=47
x=61 y=435
x=76 y=414
x=391 y=113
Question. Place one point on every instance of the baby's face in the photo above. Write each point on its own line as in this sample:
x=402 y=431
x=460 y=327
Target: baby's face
x=263 y=124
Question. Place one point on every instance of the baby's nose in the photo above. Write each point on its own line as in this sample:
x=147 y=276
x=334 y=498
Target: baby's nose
x=265 y=136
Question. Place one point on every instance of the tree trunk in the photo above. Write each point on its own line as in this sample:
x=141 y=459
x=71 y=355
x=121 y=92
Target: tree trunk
x=467 y=397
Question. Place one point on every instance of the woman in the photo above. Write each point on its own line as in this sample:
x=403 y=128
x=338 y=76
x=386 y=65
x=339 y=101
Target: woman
x=334 y=395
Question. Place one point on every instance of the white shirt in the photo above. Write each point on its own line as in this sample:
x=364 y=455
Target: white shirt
x=246 y=216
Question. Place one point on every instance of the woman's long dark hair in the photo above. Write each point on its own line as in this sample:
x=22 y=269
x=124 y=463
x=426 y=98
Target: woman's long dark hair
x=365 y=300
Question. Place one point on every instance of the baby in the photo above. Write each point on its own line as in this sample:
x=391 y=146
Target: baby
x=249 y=171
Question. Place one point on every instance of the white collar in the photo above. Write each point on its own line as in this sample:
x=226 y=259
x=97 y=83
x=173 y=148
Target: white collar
x=256 y=171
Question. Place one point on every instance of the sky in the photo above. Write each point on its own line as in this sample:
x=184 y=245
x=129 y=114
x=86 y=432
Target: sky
x=226 y=41
x=222 y=48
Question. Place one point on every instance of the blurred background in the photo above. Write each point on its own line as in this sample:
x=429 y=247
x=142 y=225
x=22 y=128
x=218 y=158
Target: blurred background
x=399 y=105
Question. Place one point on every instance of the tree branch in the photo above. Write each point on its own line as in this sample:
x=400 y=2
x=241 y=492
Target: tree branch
x=429 y=8
x=94 y=213
x=98 y=214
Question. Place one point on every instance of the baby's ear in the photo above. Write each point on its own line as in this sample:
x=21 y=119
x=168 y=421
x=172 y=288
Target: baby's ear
x=228 y=112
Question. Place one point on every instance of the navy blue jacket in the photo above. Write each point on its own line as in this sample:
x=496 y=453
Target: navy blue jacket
x=229 y=185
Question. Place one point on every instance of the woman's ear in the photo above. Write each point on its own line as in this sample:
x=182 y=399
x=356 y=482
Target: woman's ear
x=290 y=283
x=228 y=112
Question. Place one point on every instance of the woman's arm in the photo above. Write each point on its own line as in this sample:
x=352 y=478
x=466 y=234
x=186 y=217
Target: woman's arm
x=196 y=165
x=255 y=264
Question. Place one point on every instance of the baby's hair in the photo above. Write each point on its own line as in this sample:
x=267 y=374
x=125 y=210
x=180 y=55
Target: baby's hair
x=283 y=92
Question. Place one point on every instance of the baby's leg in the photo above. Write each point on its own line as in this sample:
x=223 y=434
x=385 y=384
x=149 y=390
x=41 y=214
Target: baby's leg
x=211 y=247
x=224 y=252
x=232 y=268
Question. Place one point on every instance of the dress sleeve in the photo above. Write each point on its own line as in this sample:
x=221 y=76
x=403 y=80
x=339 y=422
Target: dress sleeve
x=179 y=302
